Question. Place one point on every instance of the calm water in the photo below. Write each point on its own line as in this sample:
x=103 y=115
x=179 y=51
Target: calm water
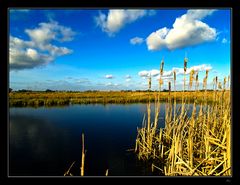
x=45 y=141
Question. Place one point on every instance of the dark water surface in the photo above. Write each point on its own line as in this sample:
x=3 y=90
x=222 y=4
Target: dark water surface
x=45 y=141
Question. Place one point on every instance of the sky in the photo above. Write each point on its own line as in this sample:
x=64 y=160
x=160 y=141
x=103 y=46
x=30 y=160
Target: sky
x=116 y=49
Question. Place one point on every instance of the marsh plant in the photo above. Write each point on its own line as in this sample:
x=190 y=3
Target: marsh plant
x=190 y=144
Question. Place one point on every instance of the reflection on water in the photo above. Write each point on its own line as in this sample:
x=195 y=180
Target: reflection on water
x=45 y=141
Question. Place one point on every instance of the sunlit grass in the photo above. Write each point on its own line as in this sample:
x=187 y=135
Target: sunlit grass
x=22 y=99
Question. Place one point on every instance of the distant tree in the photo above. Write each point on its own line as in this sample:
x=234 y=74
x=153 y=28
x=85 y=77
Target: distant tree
x=10 y=89
x=24 y=90
x=49 y=90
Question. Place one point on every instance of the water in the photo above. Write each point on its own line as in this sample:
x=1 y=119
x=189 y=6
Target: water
x=45 y=141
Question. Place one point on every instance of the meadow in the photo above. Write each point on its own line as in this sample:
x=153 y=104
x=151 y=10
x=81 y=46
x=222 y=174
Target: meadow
x=35 y=99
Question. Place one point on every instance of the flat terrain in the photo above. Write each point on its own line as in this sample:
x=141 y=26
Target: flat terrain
x=20 y=99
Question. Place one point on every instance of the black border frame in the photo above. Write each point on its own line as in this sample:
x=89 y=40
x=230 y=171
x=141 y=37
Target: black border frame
x=235 y=79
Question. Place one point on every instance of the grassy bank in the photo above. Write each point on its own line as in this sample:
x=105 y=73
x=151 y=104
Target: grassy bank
x=21 y=99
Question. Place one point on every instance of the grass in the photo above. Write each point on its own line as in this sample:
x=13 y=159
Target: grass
x=36 y=99
x=190 y=144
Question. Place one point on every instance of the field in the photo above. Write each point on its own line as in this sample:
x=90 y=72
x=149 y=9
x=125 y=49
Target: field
x=20 y=99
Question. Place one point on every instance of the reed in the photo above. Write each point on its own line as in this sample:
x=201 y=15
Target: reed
x=192 y=143
x=83 y=157
x=82 y=165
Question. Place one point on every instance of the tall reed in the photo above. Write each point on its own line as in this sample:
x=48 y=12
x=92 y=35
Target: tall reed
x=194 y=142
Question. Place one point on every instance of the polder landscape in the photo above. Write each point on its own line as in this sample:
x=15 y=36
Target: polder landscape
x=120 y=92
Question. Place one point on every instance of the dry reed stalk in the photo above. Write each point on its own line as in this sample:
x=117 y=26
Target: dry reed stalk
x=174 y=78
x=161 y=68
x=185 y=70
x=149 y=82
x=169 y=87
x=68 y=171
x=224 y=83
x=191 y=78
x=229 y=81
x=160 y=84
x=219 y=85
x=83 y=157
x=106 y=174
x=196 y=85
x=190 y=145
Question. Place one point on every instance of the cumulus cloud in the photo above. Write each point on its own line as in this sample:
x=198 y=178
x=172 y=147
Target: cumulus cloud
x=128 y=76
x=109 y=76
x=199 y=68
x=50 y=31
x=143 y=73
x=39 y=50
x=153 y=73
x=169 y=74
x=117 y=19
x=136 y=40
x=224 y=40
x=187 y=30
x=112 y=84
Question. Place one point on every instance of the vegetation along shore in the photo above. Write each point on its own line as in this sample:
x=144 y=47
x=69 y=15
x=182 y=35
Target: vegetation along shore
x=31 y=98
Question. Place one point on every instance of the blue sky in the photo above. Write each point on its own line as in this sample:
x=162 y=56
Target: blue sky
x=115 y=49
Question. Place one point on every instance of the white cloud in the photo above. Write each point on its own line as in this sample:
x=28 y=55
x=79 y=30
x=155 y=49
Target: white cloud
x=128 y=79
x=169 y=74
x=39 y=50
x=32 y=53
x=136 y=40
x=50 y=31
x=109 y=76
x=128 y=76
x=199 y=68
x=143 y=73
x=187 y=30
x=112 y=84
x=164 y=78
x=153 y=72
x=117 y=19
x=26 y=58
x=224 y=40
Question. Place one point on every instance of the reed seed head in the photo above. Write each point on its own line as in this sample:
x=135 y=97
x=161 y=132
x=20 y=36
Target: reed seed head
x=160 y=81
x=219 y=85
x=161 y=68
x=185 y=64
x=228 y=80
x=191 y=78
x=174 y=75
x=149 y=82
x=224 y=82
x=204 y=83
x=207 y=73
